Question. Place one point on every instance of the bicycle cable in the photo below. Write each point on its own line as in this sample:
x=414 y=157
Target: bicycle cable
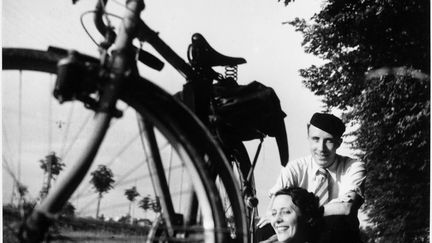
x=87 y=30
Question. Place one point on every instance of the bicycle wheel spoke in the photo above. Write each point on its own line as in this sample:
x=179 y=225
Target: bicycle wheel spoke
x=19 y=126
x=77 y=135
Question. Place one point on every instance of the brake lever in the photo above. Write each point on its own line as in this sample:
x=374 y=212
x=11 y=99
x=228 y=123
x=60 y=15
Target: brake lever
x=144 y=57
x=150 y=60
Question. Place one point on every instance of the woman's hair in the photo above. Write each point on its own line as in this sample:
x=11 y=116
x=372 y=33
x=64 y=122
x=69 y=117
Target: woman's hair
x=308 y=205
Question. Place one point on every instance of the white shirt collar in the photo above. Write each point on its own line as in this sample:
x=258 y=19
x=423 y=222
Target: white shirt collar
x=330 y=169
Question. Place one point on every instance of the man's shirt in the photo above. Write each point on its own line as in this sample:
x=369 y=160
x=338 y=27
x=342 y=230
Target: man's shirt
x=347 y=175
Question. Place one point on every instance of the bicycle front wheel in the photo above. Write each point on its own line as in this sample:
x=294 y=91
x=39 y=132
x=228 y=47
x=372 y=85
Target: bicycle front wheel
x=158 y=149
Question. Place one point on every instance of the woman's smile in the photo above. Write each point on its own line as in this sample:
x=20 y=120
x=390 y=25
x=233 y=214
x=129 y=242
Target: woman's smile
x=285 y=215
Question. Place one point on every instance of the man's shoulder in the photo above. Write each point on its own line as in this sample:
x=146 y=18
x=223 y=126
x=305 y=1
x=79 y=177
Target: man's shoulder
x=347 y=161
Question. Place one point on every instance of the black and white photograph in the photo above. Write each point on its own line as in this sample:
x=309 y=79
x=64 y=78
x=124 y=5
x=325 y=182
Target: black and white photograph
x=250 y=121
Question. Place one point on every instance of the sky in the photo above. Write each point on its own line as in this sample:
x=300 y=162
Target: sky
x=250 y=29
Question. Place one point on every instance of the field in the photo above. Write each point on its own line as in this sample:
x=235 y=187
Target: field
x=78 y=230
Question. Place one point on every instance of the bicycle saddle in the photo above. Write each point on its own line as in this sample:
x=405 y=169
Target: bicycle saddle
x=200 y=53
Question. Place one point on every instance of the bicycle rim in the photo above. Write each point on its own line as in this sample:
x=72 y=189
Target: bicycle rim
x=33 y=132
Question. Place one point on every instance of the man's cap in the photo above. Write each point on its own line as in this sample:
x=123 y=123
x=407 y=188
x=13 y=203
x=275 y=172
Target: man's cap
x=328 y=123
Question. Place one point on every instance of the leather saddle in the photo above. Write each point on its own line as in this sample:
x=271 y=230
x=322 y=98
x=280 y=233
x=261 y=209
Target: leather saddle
x=200 y=53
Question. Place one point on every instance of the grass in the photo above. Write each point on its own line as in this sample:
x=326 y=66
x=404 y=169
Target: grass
x=77 y=230
x=96 y=236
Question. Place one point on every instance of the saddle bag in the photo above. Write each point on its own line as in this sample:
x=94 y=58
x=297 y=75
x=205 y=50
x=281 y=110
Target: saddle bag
x=246 y=112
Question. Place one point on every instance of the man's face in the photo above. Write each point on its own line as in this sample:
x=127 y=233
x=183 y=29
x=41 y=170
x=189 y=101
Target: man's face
x=285 y=218
x=323 y=146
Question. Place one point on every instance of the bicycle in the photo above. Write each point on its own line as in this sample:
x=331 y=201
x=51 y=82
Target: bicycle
x=100 y=87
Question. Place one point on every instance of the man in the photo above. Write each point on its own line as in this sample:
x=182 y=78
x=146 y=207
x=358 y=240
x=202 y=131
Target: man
x=336 y=180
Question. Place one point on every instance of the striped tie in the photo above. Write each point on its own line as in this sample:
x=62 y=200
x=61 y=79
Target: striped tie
x=321 y=190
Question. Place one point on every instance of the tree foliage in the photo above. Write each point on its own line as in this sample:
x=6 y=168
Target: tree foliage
x=52 y=164
x=148 y=202
x=145 y=203
x=131 y=194
x=102 y=180
x=156 y=206
x=390 y=40
x=22 y=189
x=68 y=210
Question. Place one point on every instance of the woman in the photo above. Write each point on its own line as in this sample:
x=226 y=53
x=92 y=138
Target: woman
x=295 y=214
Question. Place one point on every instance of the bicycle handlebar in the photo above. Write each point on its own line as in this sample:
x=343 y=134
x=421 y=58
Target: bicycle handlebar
x=110 y=36
x=99 y=11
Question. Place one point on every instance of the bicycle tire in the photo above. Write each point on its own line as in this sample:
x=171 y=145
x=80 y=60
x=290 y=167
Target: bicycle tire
x=187 y=133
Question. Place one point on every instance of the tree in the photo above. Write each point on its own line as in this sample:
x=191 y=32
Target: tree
x=23 y=205
x=390 y=108
x=68 y=210
x=102 y=180
x=156 y=205
x=145 y=203
x=52 y=166
x=124 y=219
x=22 y=190
x=131 y=194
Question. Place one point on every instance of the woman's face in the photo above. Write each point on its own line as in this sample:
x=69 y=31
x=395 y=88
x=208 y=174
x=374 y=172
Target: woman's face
x=285 y=218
